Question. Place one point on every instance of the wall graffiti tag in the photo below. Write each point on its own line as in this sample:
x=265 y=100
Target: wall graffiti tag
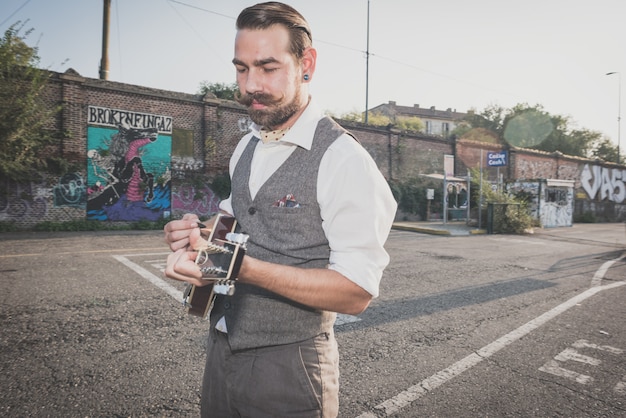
x=23 y=201
x=606 y=183
x=70 y=191
x=128 y=165
x=244 y=124
x=201 y=201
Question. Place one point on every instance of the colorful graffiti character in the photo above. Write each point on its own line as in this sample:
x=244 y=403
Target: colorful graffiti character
x=124 y=188
x=128 y=172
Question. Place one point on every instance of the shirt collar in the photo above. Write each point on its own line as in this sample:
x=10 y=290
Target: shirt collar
x=301 y=133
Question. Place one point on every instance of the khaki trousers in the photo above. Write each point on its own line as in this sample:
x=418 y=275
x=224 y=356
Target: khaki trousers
x=298 y=380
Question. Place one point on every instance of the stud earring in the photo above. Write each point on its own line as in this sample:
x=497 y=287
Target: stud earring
x=306 y=77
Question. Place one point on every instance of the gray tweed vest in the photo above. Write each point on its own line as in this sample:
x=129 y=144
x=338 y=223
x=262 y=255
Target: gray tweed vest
x=289 y=234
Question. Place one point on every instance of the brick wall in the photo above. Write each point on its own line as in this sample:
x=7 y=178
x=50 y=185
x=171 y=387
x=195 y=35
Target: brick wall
x=216 y=126
x=600 y=187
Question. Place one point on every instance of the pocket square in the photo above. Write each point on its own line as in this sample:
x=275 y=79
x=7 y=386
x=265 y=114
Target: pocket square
x=289 y=201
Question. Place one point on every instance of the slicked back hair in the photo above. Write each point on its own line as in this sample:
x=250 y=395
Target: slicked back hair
x=265 y=15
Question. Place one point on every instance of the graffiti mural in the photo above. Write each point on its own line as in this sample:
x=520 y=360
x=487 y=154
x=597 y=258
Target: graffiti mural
x=550 y=201
x=186 y=164
x=128 y=165
x=26 y=201
x=70 y=191
x=605 y=183
x=189 y=199
x=557 y=206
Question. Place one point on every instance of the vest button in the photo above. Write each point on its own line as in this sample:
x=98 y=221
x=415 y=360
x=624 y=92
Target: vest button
x=252 y=211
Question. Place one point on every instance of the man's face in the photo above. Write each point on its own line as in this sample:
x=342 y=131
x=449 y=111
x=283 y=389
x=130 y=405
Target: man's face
x=268 y=76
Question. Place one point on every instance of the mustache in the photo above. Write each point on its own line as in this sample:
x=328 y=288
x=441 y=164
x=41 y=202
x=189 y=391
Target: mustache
x=263 y=98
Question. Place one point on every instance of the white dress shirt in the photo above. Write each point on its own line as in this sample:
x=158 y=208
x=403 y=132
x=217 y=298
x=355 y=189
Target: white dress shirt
x=356 y=204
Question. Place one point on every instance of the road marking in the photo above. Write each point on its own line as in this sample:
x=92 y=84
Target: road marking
x=406 y=397
x=569 y=354
x=620 y=388
x=519 y=241
x=607 y=348
x=554 y=366
x=159 y=264
x=597 y=278
x=157 y=281
x=76 y=252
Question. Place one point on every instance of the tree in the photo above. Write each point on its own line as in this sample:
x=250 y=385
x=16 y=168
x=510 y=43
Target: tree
x=486 y=126
x=23 y=112
x=220 y=90
x=531 y=127
x=576 y=142
x=603 y=148
x=510 y=212
x=404 y=123
x=410 y=123
x=527 y=127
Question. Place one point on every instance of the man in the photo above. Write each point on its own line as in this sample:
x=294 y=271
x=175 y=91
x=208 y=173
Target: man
x=317 y=211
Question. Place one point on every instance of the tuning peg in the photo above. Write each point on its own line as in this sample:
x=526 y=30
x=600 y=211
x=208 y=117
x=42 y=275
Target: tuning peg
x=236 y=238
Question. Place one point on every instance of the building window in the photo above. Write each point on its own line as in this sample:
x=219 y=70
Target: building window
x=557 y=195
x=445 y=128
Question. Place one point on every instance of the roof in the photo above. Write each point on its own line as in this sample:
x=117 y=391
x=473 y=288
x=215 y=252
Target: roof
x=418 y=111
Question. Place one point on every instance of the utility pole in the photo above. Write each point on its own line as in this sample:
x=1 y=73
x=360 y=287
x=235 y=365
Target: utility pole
x=104 y=61
x=619 y=109
x=367 y=63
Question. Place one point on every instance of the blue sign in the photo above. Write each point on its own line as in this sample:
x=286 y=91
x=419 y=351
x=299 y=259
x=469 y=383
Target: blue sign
x=498 y=158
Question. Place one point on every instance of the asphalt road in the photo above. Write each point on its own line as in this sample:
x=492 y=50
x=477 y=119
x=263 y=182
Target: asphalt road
x=466 y=326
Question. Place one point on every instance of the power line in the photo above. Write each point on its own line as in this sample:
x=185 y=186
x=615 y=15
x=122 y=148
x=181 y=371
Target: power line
x=13 y=14
x=198 y=34
x=366 y=53
x=200 y=8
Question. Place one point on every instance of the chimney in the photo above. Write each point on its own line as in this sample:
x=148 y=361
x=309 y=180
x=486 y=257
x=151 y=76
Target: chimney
x=104 y=61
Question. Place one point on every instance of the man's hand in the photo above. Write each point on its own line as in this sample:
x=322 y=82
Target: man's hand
x=181 y=265
x=184 y=233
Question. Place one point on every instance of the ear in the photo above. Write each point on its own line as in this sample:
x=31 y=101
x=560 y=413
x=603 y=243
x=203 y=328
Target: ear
x=309 y=59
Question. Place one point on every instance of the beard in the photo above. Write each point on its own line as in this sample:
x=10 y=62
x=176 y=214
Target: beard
x=276 y=113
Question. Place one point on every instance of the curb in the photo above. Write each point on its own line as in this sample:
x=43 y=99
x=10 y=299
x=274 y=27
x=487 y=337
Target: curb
x=435 y=231
x=422 y=230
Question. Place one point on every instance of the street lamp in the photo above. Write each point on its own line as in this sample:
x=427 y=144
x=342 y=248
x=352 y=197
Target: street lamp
x=619 y=110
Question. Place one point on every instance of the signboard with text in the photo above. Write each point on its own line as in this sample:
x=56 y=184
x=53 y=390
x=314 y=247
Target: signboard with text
x=497 y=158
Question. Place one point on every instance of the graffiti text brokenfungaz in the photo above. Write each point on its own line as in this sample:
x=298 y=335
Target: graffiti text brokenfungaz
x=105 y=116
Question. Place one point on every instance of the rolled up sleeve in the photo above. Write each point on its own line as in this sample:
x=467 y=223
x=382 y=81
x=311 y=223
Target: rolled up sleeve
x=357 y=209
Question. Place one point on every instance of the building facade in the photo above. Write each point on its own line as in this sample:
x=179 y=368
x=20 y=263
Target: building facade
x=436 y=122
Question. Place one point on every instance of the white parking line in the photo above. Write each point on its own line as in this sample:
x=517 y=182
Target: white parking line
x=176 y=293
x=597 y=278
x=413 y=393
x=158 y=282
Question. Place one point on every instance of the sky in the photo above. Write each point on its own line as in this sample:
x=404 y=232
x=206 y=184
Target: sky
x=458 y=54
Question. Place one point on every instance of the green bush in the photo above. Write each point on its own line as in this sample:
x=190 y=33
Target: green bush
x=510 y=213
x=7 y=227
x=411 y=195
